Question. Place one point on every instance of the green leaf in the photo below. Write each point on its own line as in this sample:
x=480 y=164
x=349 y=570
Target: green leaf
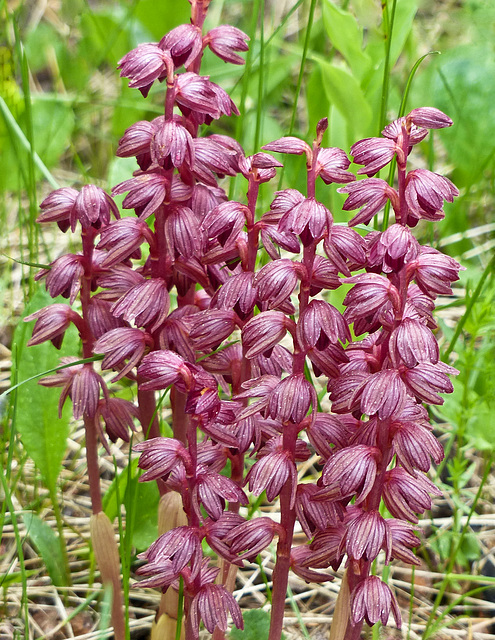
x=48 y=545
x=8 y=579
x=346 y=36
x=145 y=497
x=141 y=505
x=256 y=626
x=343 y=90
x=159 y=23
x=470 y=547
x=43 y=434
x=53 y=123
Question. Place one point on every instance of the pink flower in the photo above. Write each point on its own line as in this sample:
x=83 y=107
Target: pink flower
x=425 y=194
x=197 y=94
x=212 y=157
x=429 y=117
x=84 y=391
x=51 y=324
x=270 y=474
x=209 y=328
x=182 y=232
x=319 y=324
x=91 y=206
x=372 y=600
x=289 y=144
x=144 y=304
x=252 y=536
x=384 y=393
x=413 y=342
x=238 y=293
x=163 y=368
x=326 y=433
x=426 y=379
x=147 y=191
x=350 y=471
x=123 y=238
x=300 y=557
x=159 y=456
x=434 y=271
x=328 y=547
x=225 y=40
x=64 y=276
x=315 y=514
x=213 y=489
x=308 y=219
x=371 y=292
x=172 y=144
x=345 y=249
x=414 y=445
x=264 y=331
x=210 y=605
x=184 y=44
x=122 y=344
x=180 y=545
x=406 y=495
x=390 y=250
x=371 y=194
x=118 y=416
x=291 y=399
x=277 y=280
x=366 y=535
x=374 y=153
x=332 y=165
x=225 y=221
x=143 y=65
x=136 y=140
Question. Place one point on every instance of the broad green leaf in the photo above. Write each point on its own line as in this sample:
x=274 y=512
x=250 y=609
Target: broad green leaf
x=141 y=505
x=145 y=498
x=43 y=434
x=256 y=626
x=53 y=124
x=159 y=22
x=343 y=91
x=48 y=545
x=346 y=36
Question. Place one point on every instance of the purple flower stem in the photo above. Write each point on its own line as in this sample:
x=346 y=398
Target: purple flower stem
x=88 y=236
x=280 y=577
x=92 y=463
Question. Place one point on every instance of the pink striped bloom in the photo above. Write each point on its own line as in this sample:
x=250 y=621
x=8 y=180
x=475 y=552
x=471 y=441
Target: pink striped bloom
x=371 y=194
x=211 y=604
x=225 y=40
x=372 y=600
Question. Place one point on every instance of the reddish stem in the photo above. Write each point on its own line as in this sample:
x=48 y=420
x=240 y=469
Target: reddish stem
x=92 y=464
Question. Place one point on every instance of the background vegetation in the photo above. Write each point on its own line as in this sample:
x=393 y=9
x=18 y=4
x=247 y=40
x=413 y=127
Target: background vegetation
x=63 y=109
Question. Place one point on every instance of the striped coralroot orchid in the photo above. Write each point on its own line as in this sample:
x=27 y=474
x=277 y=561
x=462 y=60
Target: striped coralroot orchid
x=241 y=345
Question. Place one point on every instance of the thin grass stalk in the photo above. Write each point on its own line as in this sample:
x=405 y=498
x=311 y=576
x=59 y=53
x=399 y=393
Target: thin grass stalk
x=20 y=555
x=469 y=307
x=261 y=79
x=452 y=560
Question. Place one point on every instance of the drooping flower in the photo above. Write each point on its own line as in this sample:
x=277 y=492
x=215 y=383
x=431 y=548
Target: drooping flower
x=372 y=600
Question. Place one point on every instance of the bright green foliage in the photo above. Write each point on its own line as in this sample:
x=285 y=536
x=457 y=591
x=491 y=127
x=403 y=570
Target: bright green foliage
x=256 y=626
x=46 y=542
x=42 y=433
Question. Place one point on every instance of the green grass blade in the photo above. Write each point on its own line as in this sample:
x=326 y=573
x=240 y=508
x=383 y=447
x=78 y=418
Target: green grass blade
x=49 y=547
x=469 y=307
x=15 y=129
x=20 y=555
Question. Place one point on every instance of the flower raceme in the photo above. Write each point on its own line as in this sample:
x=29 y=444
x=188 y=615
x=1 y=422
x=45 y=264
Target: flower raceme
x=233 y=341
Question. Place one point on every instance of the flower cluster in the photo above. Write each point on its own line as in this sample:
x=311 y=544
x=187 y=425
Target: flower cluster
x=235 y=388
